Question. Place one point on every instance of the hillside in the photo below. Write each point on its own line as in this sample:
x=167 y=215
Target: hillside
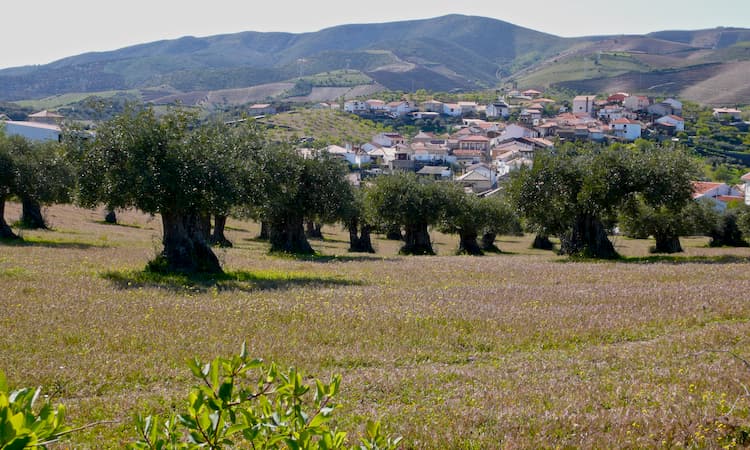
x=708 y=66
x=325 y=126
x=441 y=53
x=446 y=53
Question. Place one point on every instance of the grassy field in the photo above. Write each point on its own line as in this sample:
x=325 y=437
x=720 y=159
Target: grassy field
x=580 y=68
x=331 y=127
x=57 y=101
x=518 y=350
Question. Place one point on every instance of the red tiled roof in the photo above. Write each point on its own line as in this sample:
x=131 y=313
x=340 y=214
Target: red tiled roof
x=468 y=152
x=474 y=138
x=701 y=187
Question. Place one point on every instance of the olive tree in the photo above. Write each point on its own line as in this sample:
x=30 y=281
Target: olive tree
x=406 y=201
x=163 y=165
x=661 y=205
x=291 y=189
x=575 y=191
x=357 y=223
x=43 y=176
x=35 y=172
x=472 y=217
x=499 y=219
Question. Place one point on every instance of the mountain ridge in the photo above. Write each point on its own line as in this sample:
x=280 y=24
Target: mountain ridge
x=442 y=53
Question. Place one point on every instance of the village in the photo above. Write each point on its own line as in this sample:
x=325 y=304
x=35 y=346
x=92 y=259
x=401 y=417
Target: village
x=480 y=152
x=487 y=142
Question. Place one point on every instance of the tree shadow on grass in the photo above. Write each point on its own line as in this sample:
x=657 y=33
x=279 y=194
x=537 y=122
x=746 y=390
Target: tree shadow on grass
x=119 y=224
x=319 y=258
x=239 y=280
x=664 y=259
x=34 y=242
x=670 y=259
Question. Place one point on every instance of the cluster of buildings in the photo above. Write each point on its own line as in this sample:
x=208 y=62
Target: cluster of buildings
x=619 y=117
x=477 y=154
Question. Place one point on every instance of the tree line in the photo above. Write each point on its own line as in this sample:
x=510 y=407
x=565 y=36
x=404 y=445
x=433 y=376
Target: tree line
x=193 y=173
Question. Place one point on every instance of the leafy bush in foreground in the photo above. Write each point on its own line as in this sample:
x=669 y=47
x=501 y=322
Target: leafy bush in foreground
x=20 y=426
x=230 y=407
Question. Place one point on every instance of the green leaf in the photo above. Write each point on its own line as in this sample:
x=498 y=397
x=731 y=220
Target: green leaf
x=19 y=443
x=3 y=382
x=194 y=366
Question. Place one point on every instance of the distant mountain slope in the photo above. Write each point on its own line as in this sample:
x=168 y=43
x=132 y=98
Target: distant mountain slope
x=447 y=52
x=707 y=66
x=441 y=54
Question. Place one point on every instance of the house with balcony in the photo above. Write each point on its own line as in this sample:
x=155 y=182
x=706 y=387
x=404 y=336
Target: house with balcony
x=626 y=129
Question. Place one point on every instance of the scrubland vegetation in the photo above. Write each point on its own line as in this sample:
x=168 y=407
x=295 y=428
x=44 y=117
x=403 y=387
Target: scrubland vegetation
x=521 y=349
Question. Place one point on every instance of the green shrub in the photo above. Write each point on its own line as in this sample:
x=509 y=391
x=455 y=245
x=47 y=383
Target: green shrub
x=239 y=402
x=22 y=425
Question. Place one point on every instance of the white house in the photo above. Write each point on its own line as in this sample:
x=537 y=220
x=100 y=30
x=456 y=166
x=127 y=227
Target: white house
x=720 y=194
x=352 y=157
x=260 y=109
x=34 y=131
x=375 y=105
x=517 y=131
x=477 y=180
x=727 y=114
x=498 y=109
x=452 y=109
x=626 y=129
x=468 y=107
x=584 y=104
x=672 y=121
x=388 y=139
x=355 y=106
x=436 y=172
x=611 y=112
x=432 y=106
x=400 y=108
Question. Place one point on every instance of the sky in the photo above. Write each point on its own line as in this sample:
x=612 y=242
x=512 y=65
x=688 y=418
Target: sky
x=38 y=32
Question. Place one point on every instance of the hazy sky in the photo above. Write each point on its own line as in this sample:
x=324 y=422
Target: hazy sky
x=38 y=32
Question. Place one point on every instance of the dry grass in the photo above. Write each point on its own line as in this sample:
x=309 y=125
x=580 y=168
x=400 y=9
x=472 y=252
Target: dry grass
x=519 y=350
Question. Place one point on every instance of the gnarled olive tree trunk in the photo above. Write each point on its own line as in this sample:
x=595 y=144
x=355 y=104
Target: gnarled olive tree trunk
x=487 y=243
x=542 y=242
x=287 y=234
x=667 y=244
x=467 y=244
x=5 y=231
x=359 y=237
x=314 y=230
x=218 y=237
x=588 y=238
x=31 y=214
x=264 y=234
x=417 y=241
x=186 y=246
x=111 y=216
